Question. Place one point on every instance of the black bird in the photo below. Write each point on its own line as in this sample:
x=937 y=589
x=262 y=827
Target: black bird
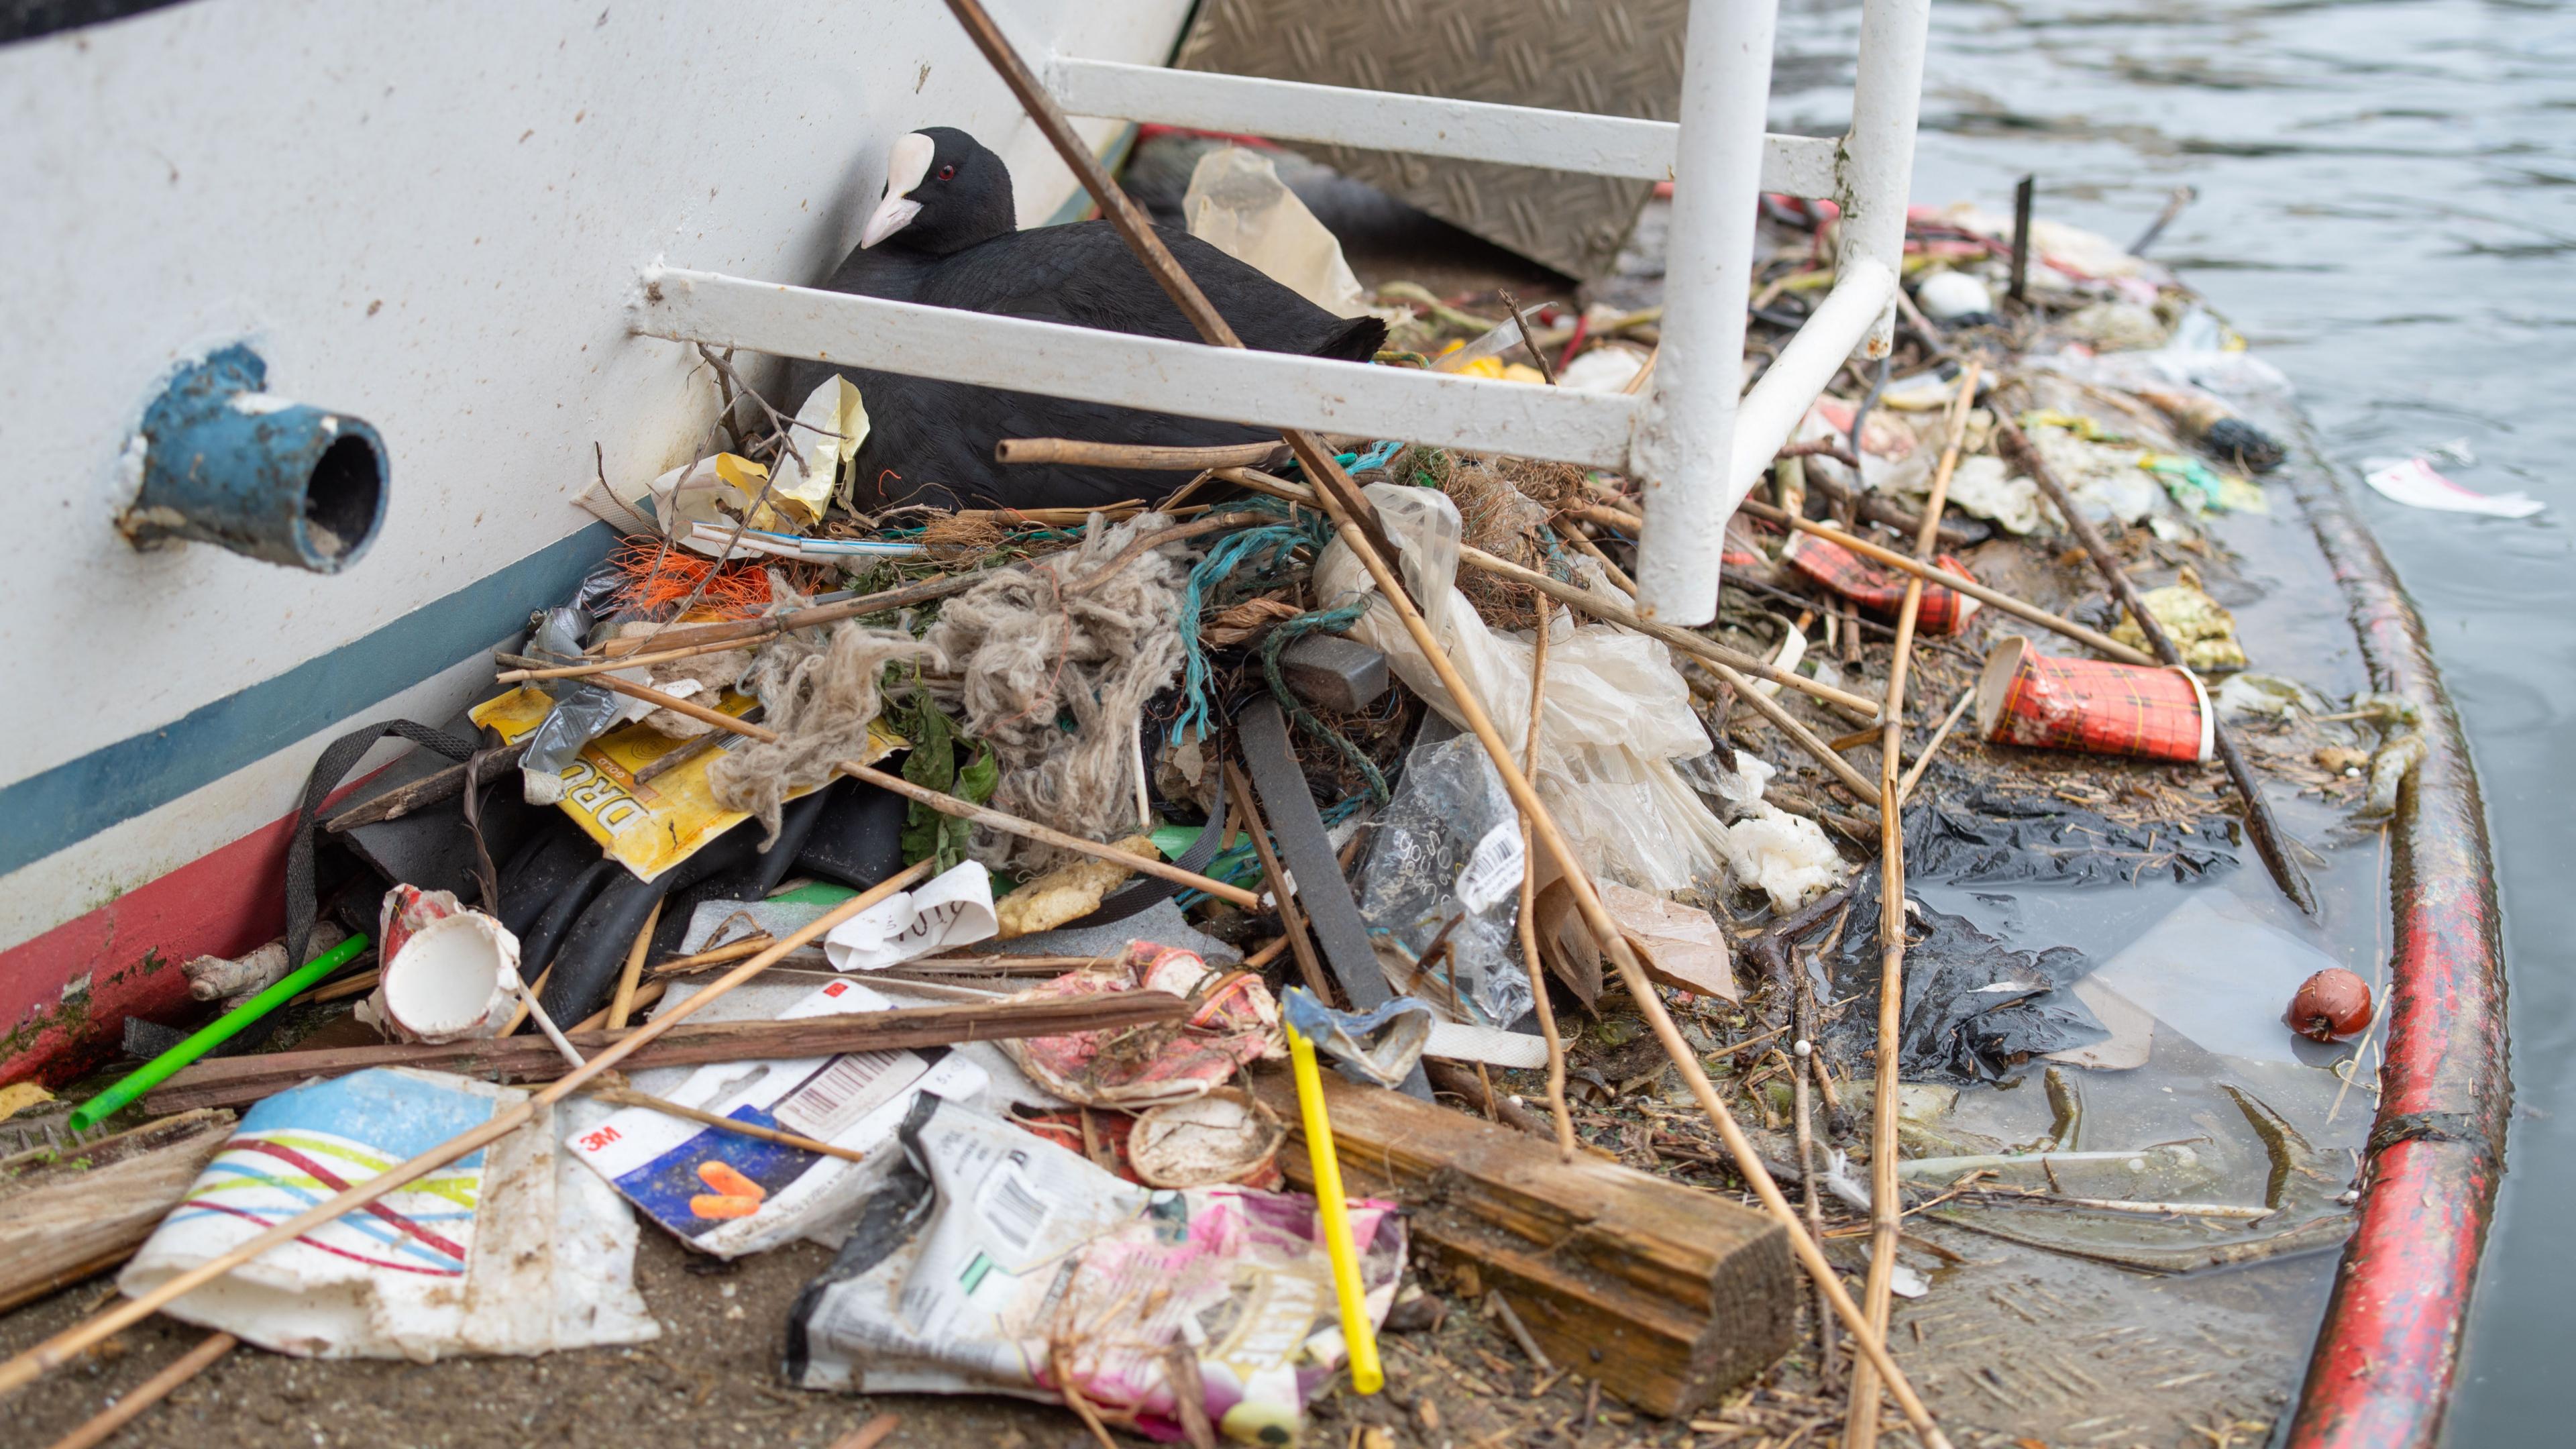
x=946 y=235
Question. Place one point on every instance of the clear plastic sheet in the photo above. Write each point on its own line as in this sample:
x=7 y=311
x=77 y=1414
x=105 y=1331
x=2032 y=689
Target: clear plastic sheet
x=1443 y=874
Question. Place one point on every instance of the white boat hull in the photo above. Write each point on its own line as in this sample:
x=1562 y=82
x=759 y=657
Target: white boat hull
x=431 y=217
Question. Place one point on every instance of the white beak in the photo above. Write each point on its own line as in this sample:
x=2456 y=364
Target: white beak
x=892 y=215
x=906 y=166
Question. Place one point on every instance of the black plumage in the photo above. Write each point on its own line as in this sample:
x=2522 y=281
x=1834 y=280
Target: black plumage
x=931 y=441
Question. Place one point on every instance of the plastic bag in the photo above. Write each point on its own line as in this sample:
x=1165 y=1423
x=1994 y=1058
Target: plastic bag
x=1445 y=867
x=511 y=1249
x=995 y=1261
x=1237 y=204
x=582 y=713
x=1618 y=712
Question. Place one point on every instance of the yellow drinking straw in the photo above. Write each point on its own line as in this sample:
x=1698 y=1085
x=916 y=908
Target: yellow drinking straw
x=1366 y=1374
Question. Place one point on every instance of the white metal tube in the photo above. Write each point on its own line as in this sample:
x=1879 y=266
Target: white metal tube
x=1789 y=386
x=1684 y=441
x=1267 y=388
x=1878 y=158
x=1422 y=125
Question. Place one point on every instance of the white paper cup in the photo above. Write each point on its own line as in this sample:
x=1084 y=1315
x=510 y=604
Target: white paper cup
x=450 y=981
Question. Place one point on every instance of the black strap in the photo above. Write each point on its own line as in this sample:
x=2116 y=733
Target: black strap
x=2431 y=1127
x=337 y=759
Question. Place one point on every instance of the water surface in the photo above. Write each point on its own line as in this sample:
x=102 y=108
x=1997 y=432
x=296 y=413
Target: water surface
x=2388 y=209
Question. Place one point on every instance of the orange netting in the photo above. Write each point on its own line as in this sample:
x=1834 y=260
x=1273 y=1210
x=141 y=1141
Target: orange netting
x=659 y=577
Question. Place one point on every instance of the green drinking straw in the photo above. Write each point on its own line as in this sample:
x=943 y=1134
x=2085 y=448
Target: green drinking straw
x=214 y=1034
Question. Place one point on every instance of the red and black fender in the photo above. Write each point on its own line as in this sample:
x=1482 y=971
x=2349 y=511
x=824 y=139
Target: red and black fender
x=2388 y=1351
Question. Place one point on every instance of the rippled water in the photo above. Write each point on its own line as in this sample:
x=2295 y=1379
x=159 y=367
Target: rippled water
x=2388 y=209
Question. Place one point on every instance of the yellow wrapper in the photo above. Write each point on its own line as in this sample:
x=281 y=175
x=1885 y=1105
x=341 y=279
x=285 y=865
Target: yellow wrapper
x=653 y=826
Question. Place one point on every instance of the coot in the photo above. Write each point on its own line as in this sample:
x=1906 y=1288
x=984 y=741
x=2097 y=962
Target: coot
x=946 y=235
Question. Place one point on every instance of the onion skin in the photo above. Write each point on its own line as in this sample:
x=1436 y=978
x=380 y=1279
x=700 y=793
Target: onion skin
x=2333 y=1005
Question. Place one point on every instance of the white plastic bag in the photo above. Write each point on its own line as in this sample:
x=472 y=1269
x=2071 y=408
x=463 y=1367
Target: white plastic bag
x=1618 y=712
x=1237 y=204
x=512 y=1249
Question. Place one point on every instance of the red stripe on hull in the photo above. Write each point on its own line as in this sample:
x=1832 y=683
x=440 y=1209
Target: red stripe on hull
x=225 y=902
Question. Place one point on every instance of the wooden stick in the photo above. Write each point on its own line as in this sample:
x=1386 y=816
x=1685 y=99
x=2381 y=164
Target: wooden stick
x=1614 y=944
x=645 y=996
x=401 y=800
x=629 y=1097
x=1354 y=521
x=870 y=1434
x=2269 y=842
x=689 y=707
x=630 y=661
x=743 y=630
x=1537 y=354
x=1616 y=575
x=1137 y=549
x=1923 y=761
x=63 y=1347
x=149 y=1392
x=1716 y=658
x=1046 y=835
x=1887 y=1203
x=717 y=956
x=622 y=1005
x=1529 y=907
x=2091 y=639
x=1137 y=230
x=1683 y=639
x=1292 y=921
x=233 y=1081
x=1131 y=455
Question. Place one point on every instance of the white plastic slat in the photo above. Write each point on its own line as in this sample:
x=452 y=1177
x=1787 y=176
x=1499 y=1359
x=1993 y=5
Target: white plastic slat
x=1265 y=388
x=1422 y=125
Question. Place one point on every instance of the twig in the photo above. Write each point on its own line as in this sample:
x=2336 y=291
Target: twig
x=745 y=630
x=1545 y=370
x=1697 y=644
x=1886 y=1204
x=1045 y=835
x=1529 y=920
x=1519 y=1331
x=1616 y=575
x=149 y=1392
x=1355 y=524
x=629 y=661
x=733 y=951
x=1292 y=921
x=2268 y=839
x=1214 y=522
x=870 y=1434
x=1923 y=761
x=63 y=1347
x=621 y=1005
x=628 y=1097
x=1132 y=455
x=2092 y=639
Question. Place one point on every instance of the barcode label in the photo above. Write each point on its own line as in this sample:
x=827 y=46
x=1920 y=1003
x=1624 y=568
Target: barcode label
x=1493 y=870
x=1012 y=1208
x=851 y=1086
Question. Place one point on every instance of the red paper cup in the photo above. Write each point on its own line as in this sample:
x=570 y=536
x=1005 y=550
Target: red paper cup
x=2028 y=698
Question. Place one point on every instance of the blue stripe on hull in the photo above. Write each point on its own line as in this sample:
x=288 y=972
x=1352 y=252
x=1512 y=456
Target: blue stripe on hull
x=79 y=798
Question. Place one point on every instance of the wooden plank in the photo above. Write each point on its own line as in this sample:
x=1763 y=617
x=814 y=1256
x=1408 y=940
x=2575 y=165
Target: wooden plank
x=67 y=1216
x=1668 y=1295
x=231 y=1081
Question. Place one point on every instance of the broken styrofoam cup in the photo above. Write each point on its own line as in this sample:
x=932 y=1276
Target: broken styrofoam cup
x=456 y=978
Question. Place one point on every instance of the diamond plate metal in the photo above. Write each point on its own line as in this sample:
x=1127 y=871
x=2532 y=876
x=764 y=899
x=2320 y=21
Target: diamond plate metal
x=1610 y=57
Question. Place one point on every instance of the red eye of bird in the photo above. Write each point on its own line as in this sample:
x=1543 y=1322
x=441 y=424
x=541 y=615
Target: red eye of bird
x=945 y=172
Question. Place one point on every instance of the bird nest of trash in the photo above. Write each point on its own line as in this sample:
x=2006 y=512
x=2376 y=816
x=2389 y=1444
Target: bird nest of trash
x=986 y=818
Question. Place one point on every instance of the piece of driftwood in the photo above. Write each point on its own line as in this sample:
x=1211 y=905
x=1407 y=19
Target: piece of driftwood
x=1669 y=1295
x=430 y=789
x=69 y=1214
x=230 y=1081
x=1133 y=455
